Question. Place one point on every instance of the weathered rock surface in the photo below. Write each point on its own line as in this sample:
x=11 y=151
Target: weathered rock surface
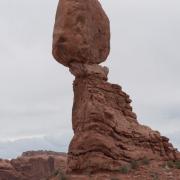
x=107 y=133
x=81 y=32
x=32 y=166
x=36 y=166
x=152 y=171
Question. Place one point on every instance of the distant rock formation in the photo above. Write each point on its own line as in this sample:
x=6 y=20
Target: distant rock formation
x=32 y=165
x=107 y=134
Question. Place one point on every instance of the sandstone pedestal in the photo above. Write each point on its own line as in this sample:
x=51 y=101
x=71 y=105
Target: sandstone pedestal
x=106 y=132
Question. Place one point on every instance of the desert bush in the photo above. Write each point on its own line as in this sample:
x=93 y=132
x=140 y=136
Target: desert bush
x=56 y=172
x=115 y=178
x=154 y=176
x=177 y=164
x=124 y=169
x=145 y=161
x=60 y=174
x=134 y=164
x=170 y=164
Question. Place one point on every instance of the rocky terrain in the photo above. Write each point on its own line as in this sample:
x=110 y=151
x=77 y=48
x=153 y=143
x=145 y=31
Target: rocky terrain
x=32 y=166
x=107 y=133
x=108 y=142
x=45 y=165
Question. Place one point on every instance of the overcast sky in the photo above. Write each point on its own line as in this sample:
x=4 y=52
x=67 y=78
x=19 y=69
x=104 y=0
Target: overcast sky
x=36 y=92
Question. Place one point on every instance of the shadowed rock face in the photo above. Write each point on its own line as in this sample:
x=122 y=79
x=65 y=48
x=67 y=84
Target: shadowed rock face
x=81 y=32
x=107 y=134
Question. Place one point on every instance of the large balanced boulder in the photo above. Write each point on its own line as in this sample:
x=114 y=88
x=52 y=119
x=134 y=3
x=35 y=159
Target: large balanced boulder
x=81 y=32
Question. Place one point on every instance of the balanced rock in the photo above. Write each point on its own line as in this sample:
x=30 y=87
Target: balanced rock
x=81 y=32
x=107 y=134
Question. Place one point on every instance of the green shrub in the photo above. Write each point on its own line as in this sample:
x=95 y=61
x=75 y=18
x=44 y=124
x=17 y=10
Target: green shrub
x=56 y=173
x=145 y=161
x=134 y=164
x=154 y=176
x=177 y=164
x=124 y=169
x=62 y=176
x=164 y=165
x=115 y=179
x=170 y=164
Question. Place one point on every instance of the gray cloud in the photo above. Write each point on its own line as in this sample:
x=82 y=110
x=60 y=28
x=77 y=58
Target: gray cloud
x=49 y=142
x=36 y=92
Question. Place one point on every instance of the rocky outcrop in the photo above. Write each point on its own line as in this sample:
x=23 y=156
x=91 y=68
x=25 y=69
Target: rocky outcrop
x=33 y=165
x=107 y=134
x=81 y=32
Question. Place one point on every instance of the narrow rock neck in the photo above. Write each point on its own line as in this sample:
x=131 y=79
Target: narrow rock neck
x=94 y=71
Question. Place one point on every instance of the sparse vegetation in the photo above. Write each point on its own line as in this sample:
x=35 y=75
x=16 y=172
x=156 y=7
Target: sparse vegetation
x=155 y=176
x=170 y=164
x=115 y=179
x=62 y=177
x=177 y=164
x=124 y=169
x=134 y=164
x=89 y=174
x=58 y=173
x=145 y=161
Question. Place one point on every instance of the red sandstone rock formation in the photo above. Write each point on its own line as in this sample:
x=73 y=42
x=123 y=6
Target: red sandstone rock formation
x=39 y=166
x=107 y=133
x=81 y=32
x=32 y=166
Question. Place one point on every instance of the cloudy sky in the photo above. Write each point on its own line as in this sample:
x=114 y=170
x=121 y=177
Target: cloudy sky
x=36 y=92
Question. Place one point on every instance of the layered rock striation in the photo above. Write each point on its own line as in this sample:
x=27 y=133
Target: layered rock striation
x=32 y=165
x=107 y=134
